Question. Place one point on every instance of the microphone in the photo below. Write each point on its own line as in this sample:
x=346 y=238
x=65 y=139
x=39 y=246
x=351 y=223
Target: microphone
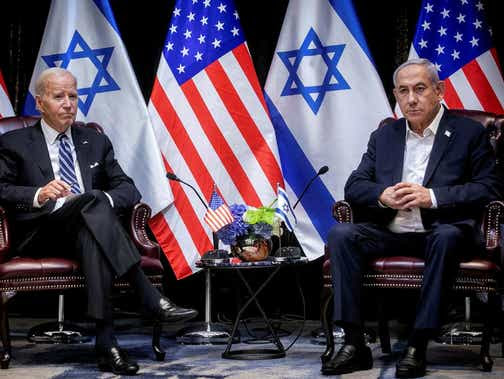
x=322 y=171
x=215 y=255
x=172 y=176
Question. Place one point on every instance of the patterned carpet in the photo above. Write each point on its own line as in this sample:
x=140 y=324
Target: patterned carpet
x=204 y=361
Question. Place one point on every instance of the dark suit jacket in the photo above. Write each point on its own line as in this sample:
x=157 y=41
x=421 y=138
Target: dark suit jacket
x=461 y=172
x=25 y=166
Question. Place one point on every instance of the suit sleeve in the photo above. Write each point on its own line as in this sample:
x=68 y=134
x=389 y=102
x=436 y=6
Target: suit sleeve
x=120 y=187
x=482 y=185
x=11 y=193
x=361 y=187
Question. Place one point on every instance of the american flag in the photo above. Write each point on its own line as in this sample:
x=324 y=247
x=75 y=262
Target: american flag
x=218 y=213
x=211 y=124
x=5 y=104
x=454 y=35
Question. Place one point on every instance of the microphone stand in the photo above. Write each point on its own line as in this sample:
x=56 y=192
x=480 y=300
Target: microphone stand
x=206 y=332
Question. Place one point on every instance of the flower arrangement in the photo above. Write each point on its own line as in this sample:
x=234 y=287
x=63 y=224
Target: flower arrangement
x=249 y=221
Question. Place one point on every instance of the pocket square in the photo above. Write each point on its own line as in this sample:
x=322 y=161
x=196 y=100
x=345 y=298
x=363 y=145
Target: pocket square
x=94 y=165
x=85 y=142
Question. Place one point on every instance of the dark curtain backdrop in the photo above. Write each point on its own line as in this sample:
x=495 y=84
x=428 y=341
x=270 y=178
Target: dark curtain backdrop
x=388 y=25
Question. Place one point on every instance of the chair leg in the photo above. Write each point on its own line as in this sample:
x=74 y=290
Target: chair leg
x=5 y=336
x=327 y=323
x=485 y=359
x=383 y=327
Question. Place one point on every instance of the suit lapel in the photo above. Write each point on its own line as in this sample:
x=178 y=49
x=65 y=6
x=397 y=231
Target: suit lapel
x=444 y=135
x=38 y=147
x=82 y=151
x=397 y=149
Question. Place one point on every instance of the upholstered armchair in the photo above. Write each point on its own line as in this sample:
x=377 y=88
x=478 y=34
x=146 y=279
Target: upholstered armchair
x=480 y=275
x=57 y=273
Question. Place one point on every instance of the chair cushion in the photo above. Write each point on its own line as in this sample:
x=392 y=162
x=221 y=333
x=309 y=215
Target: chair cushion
x=412 y=265
x=151 y=266
x=38 y=267
x=32 y=267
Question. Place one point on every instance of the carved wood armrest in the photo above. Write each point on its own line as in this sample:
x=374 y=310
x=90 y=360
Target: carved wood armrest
x=493 y=218
x=138 y=231
x=342 y=211
x=4 y=235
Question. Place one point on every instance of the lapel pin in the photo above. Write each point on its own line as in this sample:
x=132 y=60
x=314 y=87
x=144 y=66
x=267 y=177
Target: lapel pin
x=447 y=133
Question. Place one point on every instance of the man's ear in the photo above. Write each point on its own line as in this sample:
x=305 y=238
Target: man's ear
x=441 y=89
x=37 y=102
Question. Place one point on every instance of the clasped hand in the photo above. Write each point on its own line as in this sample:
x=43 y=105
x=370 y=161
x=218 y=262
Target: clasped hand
x=405 y=196
x=53 y=190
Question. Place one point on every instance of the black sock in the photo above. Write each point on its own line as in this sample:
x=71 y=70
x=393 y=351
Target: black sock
x=104 y=336
x=419 y=339
x=148 y=294
x=354 y=334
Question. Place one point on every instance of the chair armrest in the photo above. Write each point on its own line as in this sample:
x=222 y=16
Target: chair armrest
x=342 y=212
x=492 y=220
x=4 y=236
x=138 y=231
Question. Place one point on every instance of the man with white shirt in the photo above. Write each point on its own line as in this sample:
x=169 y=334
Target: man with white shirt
x=419 y=190
x=63 y=190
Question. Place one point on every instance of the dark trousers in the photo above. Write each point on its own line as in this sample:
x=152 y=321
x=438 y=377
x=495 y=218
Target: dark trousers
x=351 y=246
x=85 y=228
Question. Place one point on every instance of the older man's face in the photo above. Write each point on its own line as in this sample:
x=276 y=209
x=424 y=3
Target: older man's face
x=58 y=103
x=418 y=98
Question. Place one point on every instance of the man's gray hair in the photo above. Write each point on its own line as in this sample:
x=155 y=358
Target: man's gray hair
x=431 y=69
x=40 y=83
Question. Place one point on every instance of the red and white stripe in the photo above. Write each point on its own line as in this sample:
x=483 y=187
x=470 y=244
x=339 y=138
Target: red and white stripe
x=479 y=85
x=5 y=104
x=214 y=128
x=218 y=218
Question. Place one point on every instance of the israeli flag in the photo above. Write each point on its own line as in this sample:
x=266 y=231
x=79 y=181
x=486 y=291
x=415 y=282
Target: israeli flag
x=284 y=210
x=325 y=98
x=82 y=36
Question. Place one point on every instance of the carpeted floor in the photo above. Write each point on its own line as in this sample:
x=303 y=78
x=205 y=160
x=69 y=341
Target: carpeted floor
x=204 y=361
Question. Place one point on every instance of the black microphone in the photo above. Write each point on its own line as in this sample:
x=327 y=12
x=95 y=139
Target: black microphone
x=172 y=176
x=212 y=255
x=322 y=171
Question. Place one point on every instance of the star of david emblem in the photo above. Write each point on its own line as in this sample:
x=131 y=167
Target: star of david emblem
x=285 y=208
x=100 y=58
x=332 y=80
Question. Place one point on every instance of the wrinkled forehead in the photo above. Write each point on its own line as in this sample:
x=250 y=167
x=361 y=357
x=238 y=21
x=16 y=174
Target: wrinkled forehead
x=413 y=75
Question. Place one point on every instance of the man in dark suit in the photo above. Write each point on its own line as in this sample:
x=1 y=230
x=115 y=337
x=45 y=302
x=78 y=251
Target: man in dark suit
x=418 y=190
x=64 y=190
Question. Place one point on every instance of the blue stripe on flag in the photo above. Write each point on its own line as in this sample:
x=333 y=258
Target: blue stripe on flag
x=29 y=106
x=298 y=170
x=105 y=8
x=346 y=12
x=285 y=219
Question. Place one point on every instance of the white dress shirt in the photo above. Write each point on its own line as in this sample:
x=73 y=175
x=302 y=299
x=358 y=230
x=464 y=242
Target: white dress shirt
x=51 y=139
x=416 y=156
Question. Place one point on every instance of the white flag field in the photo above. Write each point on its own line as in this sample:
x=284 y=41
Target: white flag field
x=325 y=97
x=82 y=36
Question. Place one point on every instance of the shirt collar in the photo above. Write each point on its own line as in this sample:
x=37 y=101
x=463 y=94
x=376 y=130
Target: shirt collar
x=51 y=135
x=433 y=126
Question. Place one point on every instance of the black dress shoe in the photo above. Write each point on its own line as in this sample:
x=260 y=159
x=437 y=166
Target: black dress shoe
x=117 y=361
x=168 y=311
x=412 y=365
x=349 y=358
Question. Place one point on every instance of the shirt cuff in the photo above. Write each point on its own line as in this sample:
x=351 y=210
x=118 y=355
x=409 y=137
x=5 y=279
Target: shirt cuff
x=36 y=204
x=110 y=199
x=433 y=199
x=381 y=205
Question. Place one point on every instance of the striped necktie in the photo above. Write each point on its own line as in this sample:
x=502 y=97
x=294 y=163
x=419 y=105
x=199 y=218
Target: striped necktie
x=66 y=163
